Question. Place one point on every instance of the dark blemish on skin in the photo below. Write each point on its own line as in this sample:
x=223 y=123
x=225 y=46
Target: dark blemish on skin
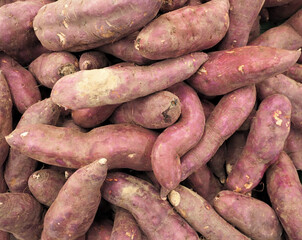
x=167 y=117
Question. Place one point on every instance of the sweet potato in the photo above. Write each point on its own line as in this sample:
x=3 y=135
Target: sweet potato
x=21 y=215
x=45 y=185
x=124 y=145
x=125 y=226
x=170 y=5
x=193 y=2
x=255 y=30
x=93 y=60
x=293 y=147
x=280 y=84
x=50 y=67
x=155 y=216
x=283 y=12
x=158 y=110
x=81 y=25
x=5 y=236
x=295 y=72
x=122 y=82
x=177 y=139
x=69 y=123
x=18 y=166
x=285 y=193
x=201 y=216
x=6 y=118
x=74 y=209
x=3 y=186
x=124 y=49
x=100 y=230
x=22 y=84
x=241 y=22
x=225 y=119
x=185 y=30
x=228 y=70
x=264 y=143
x=274 y=3
x=251 y=216
x=217 y=163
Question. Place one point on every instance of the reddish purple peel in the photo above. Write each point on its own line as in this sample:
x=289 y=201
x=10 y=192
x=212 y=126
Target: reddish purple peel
x=93 y=60
x=293 y=147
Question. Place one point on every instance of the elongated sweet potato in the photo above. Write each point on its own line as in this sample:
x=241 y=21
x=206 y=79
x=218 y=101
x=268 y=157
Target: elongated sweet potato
x=185 y=30
x=285 y=193
x=201 y=215
x=122 y=83
x=50 y=67
x=124 y=145
x=22 y=84
x=93 y=60
x=158 y=110
x=155 y=216
x=100 y=230
x=264 y=143
x=241 y=22
x=74 y=209
x=293 y=147
x=21 y=215
x=45 y=185
x=225 y=119
x=295 y=72
x=177 y=139
x=105 y=22
x=18 y=166
x=228 y=70
x=251 y=216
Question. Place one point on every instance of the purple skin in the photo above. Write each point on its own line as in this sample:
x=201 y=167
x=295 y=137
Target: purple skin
x=59 y=25
x=45 y=185
x=124 y=49
x=18 y=166
x=177 y=139
x=125 y=226
x=123 y=82
x=295 y=72
x=286 y=86
x=92 y=117
x=255 y=30
x=100 y=230
x=73 y=211
x=251 y=216
x=217 y=163
x=179 y=32
x=22 y=84
x=201 y=215
x=124 y=145
x=242 y=14
x=228 y=70
x=21 y=215
x=226 y=118
x=285 y=11
x=69 y=123
x=155 y=216
x=48 y=68
x=274 y=3
x=157 y=110
x=205 y=183
x=3 y=186
x=293 y=147
x=264 y=143
x=5 y=236
x=6 y=118
x=285 y=193
x=170 y=5
x=93 y=60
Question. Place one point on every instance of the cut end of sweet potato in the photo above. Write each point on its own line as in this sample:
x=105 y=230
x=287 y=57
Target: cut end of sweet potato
x=174 y=198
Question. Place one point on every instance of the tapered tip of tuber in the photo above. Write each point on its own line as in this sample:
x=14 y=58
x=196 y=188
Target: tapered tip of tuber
x=102 y=161
x=174 y=198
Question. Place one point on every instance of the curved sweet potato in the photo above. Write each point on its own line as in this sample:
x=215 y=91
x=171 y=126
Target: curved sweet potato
x=93 y=60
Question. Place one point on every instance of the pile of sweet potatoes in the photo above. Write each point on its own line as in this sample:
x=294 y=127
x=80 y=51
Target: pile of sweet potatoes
x=150 y=120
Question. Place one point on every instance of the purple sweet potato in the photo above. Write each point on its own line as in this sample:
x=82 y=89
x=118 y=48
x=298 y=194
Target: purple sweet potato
x=193 y=2
x=6 y=118
x=125 y=226
x=255 y=30
x=155 y=216
x=283 y=12
x=124 y=49
x=22 y=84
x=217 y=163
x=201 y=215
x=170 y=5
x=177 y=139
x=293 y=147
x=227 y=116
x=45 y=185
x=92 y=117
x=93 y=60
x=158 y=110
x=18 y=166
x=208 y=107
x=295 y=72
x=4 y=235
x=124 y=145
x=123 y=82
x=280 y=84
x=81 y=25
x=205 y=183
x=274 y=3
x=247 y=123
x=21 y=215
x=264 y=143
x=251 y=216
x=50 y=67
x=185 y=30
x=228 y=70
x=285 y=193
x=243 y=14
x=69 y=123
x=75 y=207
x=100 y=230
